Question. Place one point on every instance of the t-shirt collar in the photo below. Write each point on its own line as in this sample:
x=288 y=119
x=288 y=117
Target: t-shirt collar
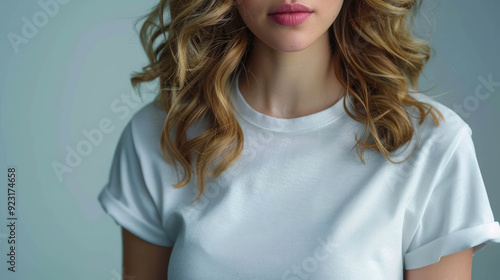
x=308 y=122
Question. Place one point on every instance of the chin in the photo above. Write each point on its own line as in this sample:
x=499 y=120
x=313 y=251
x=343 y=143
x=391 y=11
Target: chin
x=290 y=45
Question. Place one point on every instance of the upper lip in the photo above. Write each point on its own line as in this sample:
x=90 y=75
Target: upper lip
x=287 y=8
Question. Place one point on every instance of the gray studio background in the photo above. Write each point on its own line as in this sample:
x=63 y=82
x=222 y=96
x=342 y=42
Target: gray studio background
x=69 y=75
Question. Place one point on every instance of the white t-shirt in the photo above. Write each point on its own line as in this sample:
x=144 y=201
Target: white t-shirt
x=299 y=204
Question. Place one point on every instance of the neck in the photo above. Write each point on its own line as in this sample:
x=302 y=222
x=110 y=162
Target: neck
x=290 y=84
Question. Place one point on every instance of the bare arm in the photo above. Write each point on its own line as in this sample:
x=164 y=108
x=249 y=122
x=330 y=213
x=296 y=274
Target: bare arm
x=143 y=260
x=457 y=266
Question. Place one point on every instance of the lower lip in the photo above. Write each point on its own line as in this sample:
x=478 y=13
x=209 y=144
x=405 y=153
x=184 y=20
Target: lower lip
x=290 y=19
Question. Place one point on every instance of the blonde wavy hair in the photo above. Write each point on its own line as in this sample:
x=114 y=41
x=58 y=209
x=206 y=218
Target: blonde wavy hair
x=376 y=59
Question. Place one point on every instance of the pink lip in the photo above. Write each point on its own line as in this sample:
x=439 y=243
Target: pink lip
x=287 y=8
x=288 y=15
x=289 y=19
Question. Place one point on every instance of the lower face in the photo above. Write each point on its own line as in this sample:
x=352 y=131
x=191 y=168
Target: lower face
x=288 y=32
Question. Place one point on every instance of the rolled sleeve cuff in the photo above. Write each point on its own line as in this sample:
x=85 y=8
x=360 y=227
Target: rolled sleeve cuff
x=476 y=236
x=131 y=222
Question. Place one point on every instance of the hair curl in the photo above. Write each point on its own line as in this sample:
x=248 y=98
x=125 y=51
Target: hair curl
x=376 y=58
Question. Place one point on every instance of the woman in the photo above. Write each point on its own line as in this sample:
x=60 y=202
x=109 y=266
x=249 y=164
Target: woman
x=261 y=104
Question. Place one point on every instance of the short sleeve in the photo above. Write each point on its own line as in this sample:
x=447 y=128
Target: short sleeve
x=127 y=198
x=458 y=214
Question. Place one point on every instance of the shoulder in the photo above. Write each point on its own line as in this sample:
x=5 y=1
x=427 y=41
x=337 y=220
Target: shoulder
x=147 y=121
x=141 y=135
x=146 y=127
x=437 y=141
x=142 y=145
x=451 y=124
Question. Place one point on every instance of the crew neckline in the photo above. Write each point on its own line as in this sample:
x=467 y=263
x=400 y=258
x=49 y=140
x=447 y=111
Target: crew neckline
x=308 y=122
